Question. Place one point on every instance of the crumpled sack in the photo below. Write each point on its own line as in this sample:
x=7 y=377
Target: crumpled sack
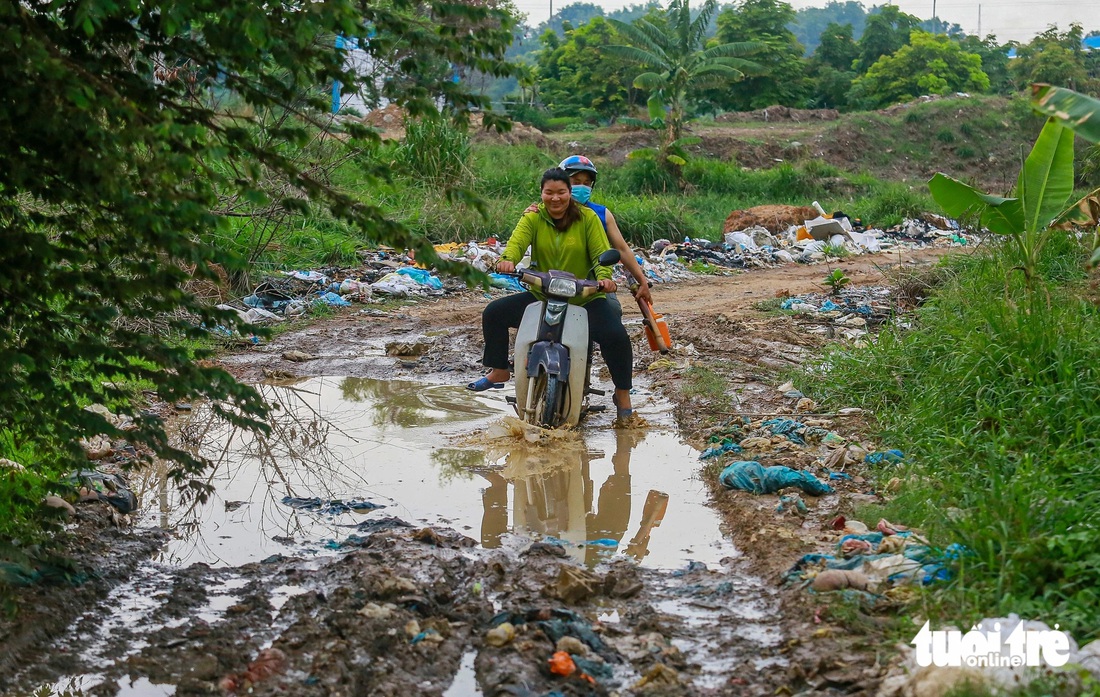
x=751 y=476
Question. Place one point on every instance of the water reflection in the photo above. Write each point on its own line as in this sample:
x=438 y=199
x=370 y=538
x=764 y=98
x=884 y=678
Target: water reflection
x=554 y=495
x=393 y=442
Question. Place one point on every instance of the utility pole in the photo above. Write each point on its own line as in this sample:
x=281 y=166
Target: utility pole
x=979 y=21
x=935 y=20
x=551 y=9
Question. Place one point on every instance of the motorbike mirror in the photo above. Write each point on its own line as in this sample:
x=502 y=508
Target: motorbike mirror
x=610 y=257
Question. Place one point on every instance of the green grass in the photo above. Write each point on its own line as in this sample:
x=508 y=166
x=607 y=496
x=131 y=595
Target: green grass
x=995 y=404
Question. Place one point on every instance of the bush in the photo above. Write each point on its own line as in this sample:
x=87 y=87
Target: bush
x=435 y=152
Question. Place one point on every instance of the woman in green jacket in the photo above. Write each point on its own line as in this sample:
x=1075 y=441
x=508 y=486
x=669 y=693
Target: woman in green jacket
x=566 y=237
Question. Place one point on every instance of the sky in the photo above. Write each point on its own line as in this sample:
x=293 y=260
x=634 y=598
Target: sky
x=1007 y=19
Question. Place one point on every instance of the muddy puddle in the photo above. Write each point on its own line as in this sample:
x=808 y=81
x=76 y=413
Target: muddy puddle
x=378 y=536
x=405 y=450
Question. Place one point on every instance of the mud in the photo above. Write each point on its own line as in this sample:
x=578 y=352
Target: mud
x=407 y=608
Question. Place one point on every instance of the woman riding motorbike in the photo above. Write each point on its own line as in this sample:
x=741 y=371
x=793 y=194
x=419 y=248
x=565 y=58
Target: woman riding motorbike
x=567 y=237
x=582 y=176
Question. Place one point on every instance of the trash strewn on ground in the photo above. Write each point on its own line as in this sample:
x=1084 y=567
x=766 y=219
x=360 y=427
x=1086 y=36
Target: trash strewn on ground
x=769 y=236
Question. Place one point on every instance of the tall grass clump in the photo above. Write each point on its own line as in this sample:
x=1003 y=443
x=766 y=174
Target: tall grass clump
x=435 y=153
x=996 y=405
x=643 y=220
x=890 y=203
x=510 y=170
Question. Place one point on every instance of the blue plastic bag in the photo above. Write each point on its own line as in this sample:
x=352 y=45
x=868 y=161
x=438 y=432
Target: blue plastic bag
x=331 y=298
x=422 y=277
x=725 y=447
x=506 y=281
x=884 y=456
x=749 y=475
x=829 y=306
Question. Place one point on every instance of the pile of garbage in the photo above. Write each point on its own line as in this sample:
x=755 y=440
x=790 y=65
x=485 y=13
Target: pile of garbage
x=772 y=240
x=848 y=313
x=872 y=560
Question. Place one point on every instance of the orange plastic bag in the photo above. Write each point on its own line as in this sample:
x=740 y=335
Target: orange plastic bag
x=561 y=663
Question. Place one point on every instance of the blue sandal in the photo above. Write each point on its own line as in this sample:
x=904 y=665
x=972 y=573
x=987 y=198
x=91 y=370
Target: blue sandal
x=484 y=384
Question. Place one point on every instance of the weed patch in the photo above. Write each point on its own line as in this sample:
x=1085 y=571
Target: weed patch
x=995 y=405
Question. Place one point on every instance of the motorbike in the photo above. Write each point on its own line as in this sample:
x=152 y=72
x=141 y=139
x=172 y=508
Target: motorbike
x=553 y=366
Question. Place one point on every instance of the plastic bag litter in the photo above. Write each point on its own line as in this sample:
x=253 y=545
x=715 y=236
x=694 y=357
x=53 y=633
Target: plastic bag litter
x=333 y=299
x=395 y=284
x=751 y=476
x=422 y=277
x=308 y=276
x=505 y=281
x=740 y=240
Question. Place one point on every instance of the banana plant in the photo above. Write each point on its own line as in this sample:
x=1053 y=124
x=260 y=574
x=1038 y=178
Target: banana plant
x=1080 y=113
x=1040 y=198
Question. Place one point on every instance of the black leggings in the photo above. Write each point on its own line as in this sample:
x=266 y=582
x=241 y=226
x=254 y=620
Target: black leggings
x=604 y=327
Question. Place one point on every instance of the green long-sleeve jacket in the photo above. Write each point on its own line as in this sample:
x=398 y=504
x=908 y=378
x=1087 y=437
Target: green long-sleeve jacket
x=576 y=249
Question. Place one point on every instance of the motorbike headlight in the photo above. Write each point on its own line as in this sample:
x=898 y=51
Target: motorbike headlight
x=562 y=287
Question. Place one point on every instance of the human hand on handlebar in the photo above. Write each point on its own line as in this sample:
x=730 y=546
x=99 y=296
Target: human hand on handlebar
x=505 y=266
x=607 y=285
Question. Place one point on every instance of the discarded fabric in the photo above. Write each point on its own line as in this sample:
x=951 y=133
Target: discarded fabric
x=727 y=446
x=751 y=476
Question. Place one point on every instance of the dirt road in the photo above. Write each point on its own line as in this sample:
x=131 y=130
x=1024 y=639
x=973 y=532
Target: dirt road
x=412 y=603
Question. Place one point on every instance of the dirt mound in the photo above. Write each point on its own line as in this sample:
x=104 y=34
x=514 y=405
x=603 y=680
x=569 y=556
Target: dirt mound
x=390 y=120
x=520 y=134
x=779 y=113
x=773 y=218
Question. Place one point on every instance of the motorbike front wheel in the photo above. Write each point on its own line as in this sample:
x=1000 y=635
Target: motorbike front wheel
x=547 y=399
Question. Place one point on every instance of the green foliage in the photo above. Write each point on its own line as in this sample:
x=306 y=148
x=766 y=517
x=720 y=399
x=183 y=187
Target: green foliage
x=576 y=78
x=945 y=135
x=435 y=152
x=811 y=24
x=994 y=402
x=929 y=64
x=644 y=175
x=1042 y=192
x=1079 y=112
x=119 y=161
x=886 y=31
x=838 y=49
x=643 y=220
x=677 y=61
x=836 y=280
x=780 y=77
x=995 y=61
x=1056 y=58
x=890 y=203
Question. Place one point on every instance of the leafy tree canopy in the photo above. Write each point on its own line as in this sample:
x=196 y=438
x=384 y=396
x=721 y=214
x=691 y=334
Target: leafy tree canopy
x=578 y=79
x=781 y=76
x=810 y=22
x=887 y=29
x=677 y=62
x=1056 y=58
x=116 y=160
x=929 y=64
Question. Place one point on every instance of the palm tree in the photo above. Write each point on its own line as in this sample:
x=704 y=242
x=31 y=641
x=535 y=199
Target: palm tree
x=677 y=61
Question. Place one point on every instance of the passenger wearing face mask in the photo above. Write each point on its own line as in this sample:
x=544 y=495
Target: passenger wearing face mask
x=582 y=175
